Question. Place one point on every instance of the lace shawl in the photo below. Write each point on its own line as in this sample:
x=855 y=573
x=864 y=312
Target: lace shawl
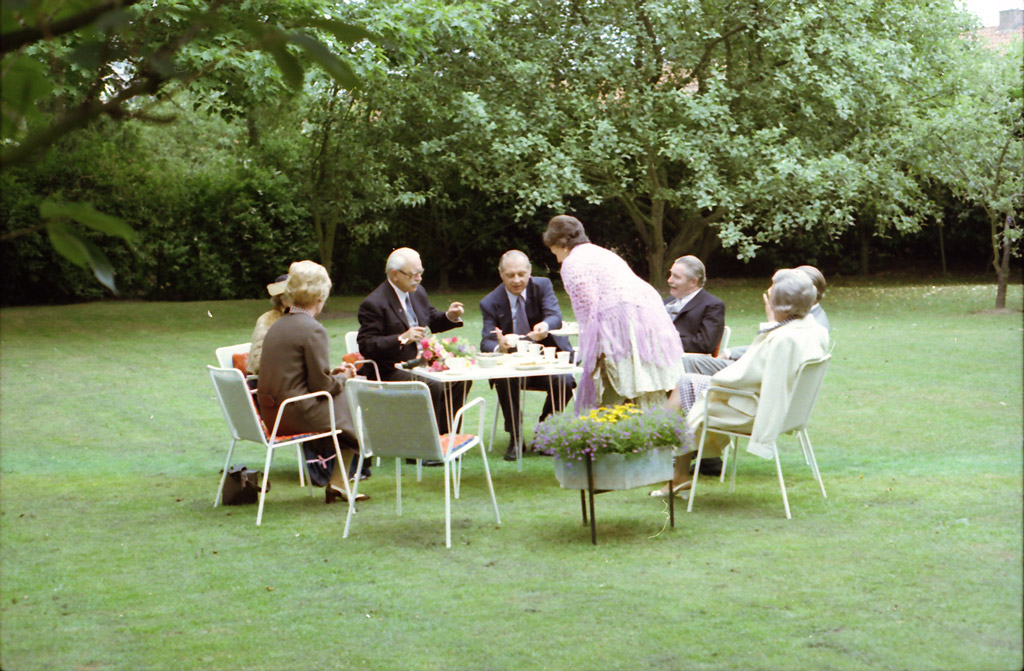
x=607 y=297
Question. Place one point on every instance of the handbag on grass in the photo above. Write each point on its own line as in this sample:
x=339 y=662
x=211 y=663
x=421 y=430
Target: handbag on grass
x=242 y=486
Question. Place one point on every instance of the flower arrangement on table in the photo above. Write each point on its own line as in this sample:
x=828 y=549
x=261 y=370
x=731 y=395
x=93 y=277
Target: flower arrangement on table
x=617 y=429
x=436 y=351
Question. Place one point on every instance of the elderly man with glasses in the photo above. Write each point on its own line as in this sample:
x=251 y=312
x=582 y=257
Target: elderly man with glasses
x=396 y=315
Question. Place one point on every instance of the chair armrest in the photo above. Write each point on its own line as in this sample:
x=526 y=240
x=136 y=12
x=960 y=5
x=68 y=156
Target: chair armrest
x=302 y=397
x=732 y=392
x=371 y=362
x=457 y=421
x=728 y=392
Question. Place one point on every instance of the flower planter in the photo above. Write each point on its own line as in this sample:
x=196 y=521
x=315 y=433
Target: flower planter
x=617 y=471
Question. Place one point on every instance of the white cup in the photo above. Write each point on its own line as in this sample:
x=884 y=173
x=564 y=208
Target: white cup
x=549 y=353
x=563 y=357
x=456 y=363
x=535 y=348
x=512 y=339
x=523 y=347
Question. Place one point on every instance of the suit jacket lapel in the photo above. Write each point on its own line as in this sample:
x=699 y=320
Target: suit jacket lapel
x=696 y=301
x=504 y=312
x=533 y=306
x=397 y=306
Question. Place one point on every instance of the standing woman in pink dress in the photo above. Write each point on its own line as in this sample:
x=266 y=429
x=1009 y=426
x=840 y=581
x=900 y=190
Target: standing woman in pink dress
x=629 y=349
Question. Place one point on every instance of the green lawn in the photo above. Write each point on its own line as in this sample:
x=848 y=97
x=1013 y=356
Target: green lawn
x=114 y=558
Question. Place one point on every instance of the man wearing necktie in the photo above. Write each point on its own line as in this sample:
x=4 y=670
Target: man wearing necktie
x=527 y=306
x=698 y=316
x=396 y=316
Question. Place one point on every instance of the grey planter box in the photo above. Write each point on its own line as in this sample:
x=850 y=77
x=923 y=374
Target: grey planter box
x=617 y=471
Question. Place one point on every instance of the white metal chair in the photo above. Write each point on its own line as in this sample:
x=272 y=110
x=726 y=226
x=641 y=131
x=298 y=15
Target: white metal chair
x=396 y=419
x=809 y=379
x=244 y=423
x=352 y=347
x=225 y=358
x=723 y=344
x=350 y=341
x=224 y=354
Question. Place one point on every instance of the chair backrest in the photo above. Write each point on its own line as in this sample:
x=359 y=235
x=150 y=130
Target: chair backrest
x=351 y=346
x=224 y=354
x=724 y=342
x=394 y=419
x=809 y=378
x=236 y=403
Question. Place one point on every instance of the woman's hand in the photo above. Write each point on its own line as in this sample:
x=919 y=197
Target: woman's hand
x=346 y=370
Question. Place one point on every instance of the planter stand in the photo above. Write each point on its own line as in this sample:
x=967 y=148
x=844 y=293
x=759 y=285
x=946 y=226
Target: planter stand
x=613 y=472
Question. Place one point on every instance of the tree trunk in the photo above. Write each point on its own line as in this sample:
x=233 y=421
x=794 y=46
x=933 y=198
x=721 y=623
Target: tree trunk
x=942 y=249
x=1002 y=265
x=656 y=260
x=443 y=274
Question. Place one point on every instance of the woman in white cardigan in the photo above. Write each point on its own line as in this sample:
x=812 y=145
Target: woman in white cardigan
x=768 y=368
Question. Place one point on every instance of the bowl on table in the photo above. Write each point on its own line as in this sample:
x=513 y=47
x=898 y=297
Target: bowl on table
x=488 y=359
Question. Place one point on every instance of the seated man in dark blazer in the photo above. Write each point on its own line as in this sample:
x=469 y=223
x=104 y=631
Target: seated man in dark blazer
x=533 y=298
x=395 y=316
x=700 y=319
x=698 y=316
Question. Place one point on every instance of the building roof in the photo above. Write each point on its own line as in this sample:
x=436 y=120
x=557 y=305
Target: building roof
x=1011 y=26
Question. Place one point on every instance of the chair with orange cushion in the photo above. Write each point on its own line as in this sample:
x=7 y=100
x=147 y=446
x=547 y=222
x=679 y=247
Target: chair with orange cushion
x=235 y=356
x=396 y=419
x=245 y=423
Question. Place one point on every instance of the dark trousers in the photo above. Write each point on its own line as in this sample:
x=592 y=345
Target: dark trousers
x=320 y=457
x=559 y=388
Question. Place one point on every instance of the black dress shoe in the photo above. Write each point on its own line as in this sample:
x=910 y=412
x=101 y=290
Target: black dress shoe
x=709 y=466
x=426 y=462
x=510 y=453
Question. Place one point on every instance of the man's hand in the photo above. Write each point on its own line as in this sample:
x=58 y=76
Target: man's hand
x=539 y=332
x=503 y=344
x=455 y=311
x=415 y=333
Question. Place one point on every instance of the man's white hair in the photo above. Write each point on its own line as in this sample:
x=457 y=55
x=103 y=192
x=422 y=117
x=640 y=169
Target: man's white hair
x=694 y=268
x=793 y=294
x=398 y=258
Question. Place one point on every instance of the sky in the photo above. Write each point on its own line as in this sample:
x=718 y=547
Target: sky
x=988 y=10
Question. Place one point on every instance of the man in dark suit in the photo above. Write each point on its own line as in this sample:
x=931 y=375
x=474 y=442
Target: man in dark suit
x=526 y=306
x=698 y=316
x=395 y=316
x=700 y=319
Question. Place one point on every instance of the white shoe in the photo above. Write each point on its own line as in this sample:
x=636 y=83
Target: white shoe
x=677 y=490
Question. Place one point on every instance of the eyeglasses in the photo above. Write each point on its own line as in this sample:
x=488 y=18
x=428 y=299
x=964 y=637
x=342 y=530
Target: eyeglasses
x=412 y=274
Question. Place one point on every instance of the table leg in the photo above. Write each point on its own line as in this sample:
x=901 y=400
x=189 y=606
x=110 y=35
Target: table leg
x=583 y=505
x=590 y=491
x=671 y=506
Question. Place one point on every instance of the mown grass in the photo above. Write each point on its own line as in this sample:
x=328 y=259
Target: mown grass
x=114 y=558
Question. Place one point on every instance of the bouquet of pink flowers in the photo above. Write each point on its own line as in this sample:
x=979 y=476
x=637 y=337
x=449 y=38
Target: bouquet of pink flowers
x=435 y=351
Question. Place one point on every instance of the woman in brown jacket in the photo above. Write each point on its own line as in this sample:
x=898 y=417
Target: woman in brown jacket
x=296 y=361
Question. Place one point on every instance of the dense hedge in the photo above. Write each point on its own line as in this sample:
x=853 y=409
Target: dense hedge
x=216 y=222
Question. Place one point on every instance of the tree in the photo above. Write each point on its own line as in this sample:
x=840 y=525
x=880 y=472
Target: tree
x=974 y=145
x=65 y=68
x=399 y=154
x=713 y=123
